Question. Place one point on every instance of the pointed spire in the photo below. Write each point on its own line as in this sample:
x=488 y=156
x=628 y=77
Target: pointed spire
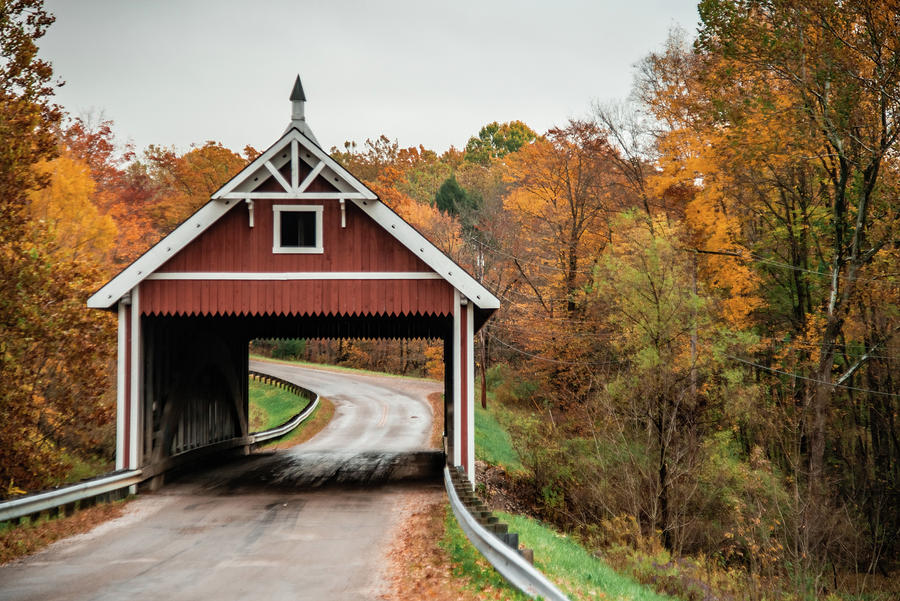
x=298 y=100
x=298 y=111
x=297 y=92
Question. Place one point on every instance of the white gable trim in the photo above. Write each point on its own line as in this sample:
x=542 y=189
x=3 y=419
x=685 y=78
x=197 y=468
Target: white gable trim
x=225 y=197
x=287 y=141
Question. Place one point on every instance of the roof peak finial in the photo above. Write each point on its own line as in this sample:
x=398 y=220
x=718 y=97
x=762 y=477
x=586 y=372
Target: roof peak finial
x=298 y=111
x=297 y=92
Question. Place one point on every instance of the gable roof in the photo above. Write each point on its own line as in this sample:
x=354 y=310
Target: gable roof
x=294 y=146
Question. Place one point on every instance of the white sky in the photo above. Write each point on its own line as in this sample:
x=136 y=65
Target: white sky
x=180 y=72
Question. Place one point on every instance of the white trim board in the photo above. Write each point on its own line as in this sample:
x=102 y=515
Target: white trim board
x=296 y=144
x=121 y=351
x=277 y=212
x=137 y=370
x=295 y=275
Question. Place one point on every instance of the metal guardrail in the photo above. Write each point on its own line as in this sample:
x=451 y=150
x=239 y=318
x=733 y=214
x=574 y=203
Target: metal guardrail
x=505 y=560
x=61 y=499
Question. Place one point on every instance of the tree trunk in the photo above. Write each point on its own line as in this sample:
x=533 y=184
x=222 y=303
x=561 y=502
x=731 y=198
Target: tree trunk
x=663 y=476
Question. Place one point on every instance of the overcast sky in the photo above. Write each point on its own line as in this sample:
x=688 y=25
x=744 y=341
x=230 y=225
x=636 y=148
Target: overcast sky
x=180 y=72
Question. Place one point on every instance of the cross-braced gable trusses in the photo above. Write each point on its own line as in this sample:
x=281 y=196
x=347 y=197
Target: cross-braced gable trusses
x=293 y=147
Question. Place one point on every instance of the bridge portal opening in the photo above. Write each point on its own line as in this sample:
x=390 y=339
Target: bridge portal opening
x=195 y=390
x=390 y=361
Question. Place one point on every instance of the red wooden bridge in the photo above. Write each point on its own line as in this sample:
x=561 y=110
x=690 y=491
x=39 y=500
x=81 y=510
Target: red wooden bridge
x=293 y=246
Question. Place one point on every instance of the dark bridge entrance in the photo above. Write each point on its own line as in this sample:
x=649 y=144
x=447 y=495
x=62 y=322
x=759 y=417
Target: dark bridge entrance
x=292 y=247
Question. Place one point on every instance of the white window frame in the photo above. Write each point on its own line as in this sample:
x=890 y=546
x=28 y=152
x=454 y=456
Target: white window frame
x=277 y=248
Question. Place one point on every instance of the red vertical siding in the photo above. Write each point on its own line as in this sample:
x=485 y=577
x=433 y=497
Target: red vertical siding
x=230 y=245
x=304 y=297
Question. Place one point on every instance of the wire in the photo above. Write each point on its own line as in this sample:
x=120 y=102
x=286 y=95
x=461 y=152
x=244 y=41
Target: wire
x=799 y=377
x=733 y=357
x=813 y=345
x=549 y=359
x=759 y=259
x=753 y=257
x=528 y=330
x=518 y=259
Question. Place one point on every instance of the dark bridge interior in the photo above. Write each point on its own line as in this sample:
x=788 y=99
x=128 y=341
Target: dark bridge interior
x=196 y=386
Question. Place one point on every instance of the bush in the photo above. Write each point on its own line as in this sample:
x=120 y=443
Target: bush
x=509 y=386
x=291 y=348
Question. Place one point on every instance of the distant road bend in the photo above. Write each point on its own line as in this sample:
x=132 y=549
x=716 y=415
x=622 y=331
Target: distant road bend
x=260 y=527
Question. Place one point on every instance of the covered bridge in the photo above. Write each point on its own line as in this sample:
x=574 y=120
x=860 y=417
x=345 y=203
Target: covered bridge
x=293 y=246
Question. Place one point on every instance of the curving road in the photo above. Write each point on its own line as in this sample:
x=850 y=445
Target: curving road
x=372 y=413
x=257 y=528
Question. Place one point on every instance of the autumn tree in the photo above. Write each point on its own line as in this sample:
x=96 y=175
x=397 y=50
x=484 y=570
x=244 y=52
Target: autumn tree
x=779 y=126
x=28 y=116
x=52 y=353
x=495 y=141
x=73 y=227
x=561 y=194
x=188 y=180
x=834 y=67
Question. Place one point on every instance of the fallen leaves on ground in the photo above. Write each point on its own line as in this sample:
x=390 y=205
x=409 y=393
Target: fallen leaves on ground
x=20 y=541
x=417 y=567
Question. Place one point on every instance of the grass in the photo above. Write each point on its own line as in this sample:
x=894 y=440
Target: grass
x=271 y=406
x=87 y=467
x=352 y=370
x=572 y=567
x=492 y=442
x=468 y=563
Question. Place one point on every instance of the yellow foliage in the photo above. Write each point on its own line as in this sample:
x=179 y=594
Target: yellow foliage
x=65 y=212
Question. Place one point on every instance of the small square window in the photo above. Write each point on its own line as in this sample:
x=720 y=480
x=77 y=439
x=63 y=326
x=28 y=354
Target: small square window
x=297 y=229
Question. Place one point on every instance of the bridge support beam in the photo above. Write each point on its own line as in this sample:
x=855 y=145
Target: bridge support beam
x=129 y=378
x=463 y=366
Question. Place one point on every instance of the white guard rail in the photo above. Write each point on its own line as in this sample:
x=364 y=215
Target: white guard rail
x=51 y=499
x=505 y=560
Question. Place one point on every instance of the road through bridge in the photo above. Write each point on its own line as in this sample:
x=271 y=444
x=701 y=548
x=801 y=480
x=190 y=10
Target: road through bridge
x=258 y=527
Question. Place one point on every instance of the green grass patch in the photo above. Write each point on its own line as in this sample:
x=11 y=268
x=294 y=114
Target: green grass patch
x=575 y=570
x=271 y=406
x=87 y=467
x=470 y=565
x=492 y=442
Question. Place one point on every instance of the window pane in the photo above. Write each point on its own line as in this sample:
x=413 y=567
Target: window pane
x=298 y=229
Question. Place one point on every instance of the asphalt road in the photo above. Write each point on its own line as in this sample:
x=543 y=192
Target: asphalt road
x=262 y=527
